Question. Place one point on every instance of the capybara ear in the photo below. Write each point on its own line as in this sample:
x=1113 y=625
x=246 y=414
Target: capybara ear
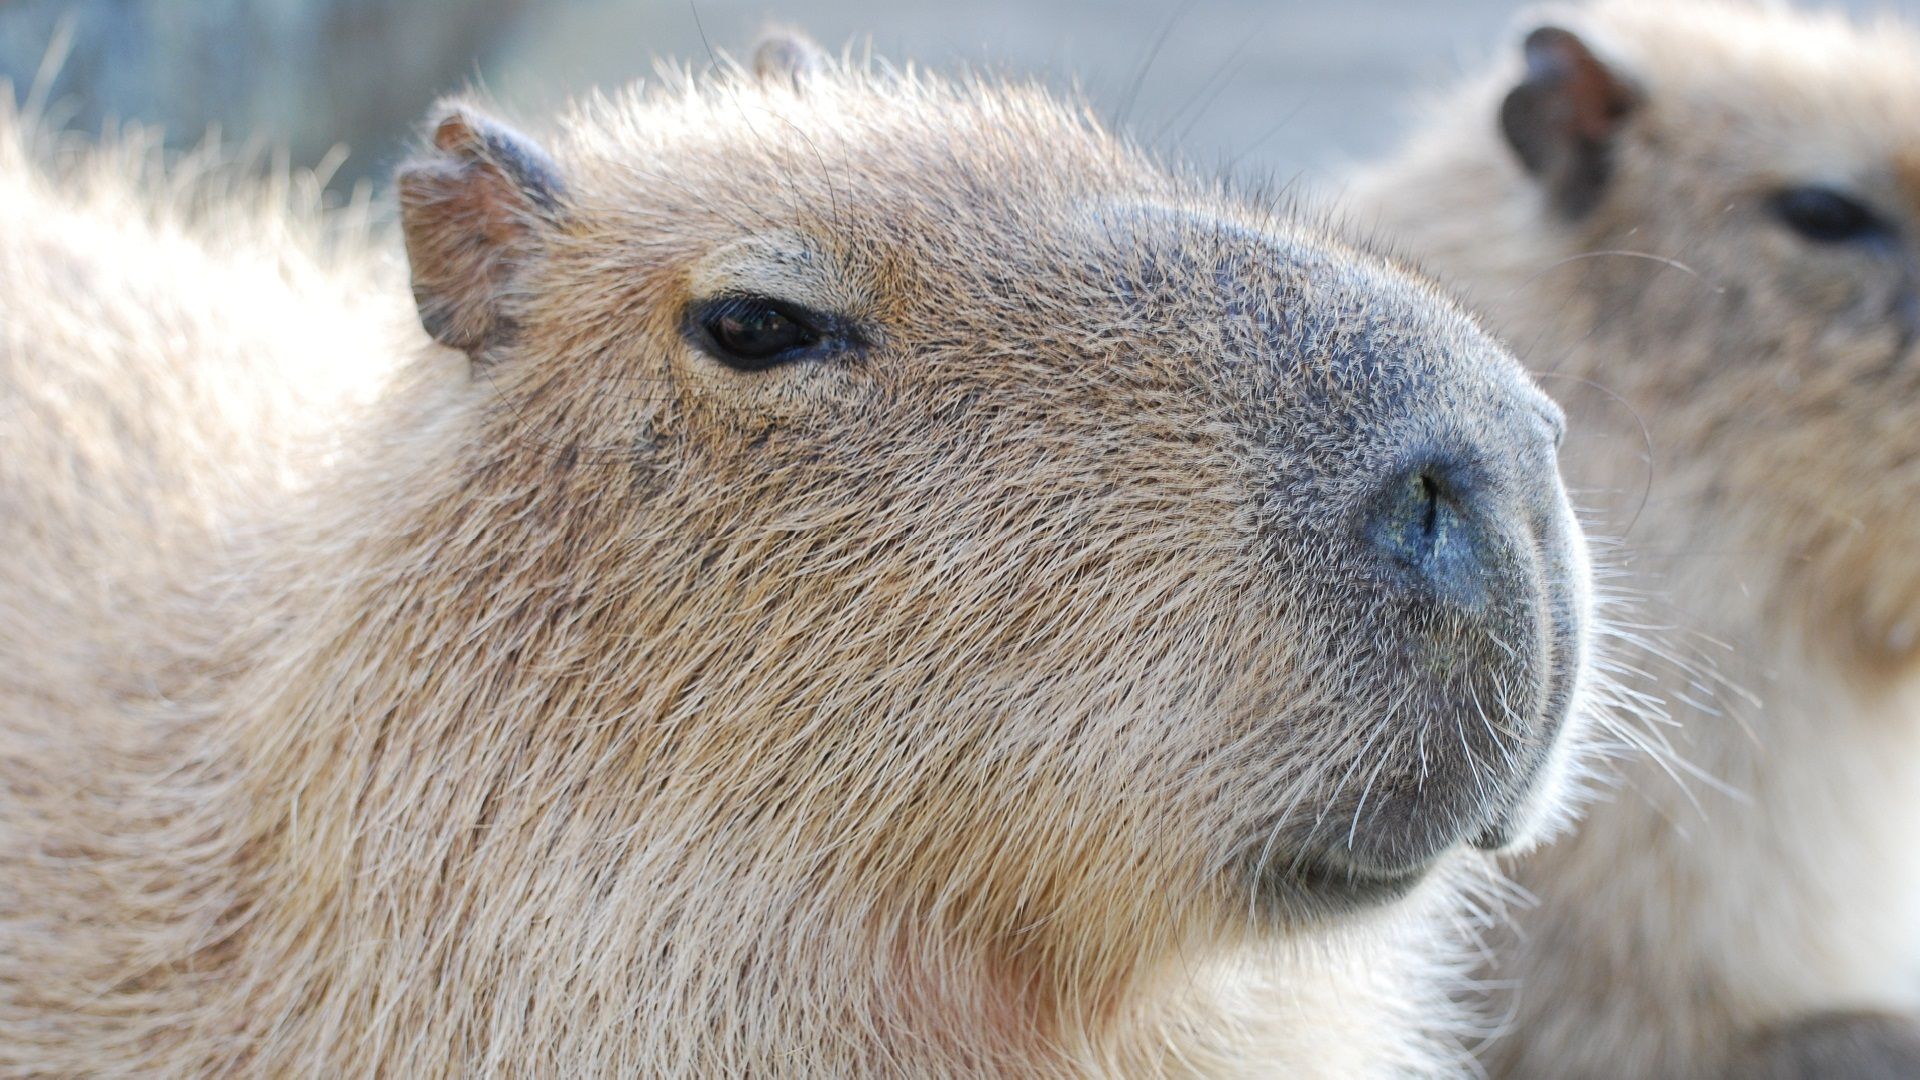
x=787 y=55
x=1562 y=118
x=473 y=208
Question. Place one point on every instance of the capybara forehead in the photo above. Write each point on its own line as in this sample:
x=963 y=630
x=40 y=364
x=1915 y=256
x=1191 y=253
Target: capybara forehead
x=899 y=195
x=849 y=146
x=1772 y=89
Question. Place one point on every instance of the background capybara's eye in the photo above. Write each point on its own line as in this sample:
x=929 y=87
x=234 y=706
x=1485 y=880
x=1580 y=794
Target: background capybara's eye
x=749 y=333
x=1826 y=216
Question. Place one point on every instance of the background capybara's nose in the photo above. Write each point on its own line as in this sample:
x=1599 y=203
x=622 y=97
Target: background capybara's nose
x=1429 y=519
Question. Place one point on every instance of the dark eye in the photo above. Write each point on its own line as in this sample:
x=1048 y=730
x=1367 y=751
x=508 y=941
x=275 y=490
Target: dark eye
x=1826 y=216
x=752 y=334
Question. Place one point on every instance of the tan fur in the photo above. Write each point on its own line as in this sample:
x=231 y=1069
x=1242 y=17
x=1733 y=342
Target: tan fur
x=586 y=707
x=1778 y=385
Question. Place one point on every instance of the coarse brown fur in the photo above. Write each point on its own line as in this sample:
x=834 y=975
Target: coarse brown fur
x=983 y=699
x=1769 y=904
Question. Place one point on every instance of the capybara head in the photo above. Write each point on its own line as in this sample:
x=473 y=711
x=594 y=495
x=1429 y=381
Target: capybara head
x=1730 y=193
x=975 y=538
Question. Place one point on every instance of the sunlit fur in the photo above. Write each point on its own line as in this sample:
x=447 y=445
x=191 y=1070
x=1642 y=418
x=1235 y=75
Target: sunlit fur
x=1780 y=395
x=589 y=708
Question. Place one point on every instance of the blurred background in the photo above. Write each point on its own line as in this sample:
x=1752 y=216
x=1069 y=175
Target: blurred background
x=1266 y=86
x=1286 y=89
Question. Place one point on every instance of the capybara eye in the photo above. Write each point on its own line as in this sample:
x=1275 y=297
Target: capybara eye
x=1826 y=216
x=750 y=333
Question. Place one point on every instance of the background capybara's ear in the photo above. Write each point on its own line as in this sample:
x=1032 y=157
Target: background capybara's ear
x=1562 y=118
x=473 y=208
x=787 y=55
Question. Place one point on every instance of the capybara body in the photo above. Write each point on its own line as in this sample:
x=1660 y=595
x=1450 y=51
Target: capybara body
x=1699 y=220
x=869 y=576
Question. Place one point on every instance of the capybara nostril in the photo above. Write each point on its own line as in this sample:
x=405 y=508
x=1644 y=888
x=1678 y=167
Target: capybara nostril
x=1426 y=521
x=1473 y=545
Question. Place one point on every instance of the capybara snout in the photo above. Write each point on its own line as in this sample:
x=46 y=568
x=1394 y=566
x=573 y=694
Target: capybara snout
x=1475 y=543
x=1408 y=491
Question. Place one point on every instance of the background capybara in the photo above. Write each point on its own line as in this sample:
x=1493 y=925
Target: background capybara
x=1700 y=218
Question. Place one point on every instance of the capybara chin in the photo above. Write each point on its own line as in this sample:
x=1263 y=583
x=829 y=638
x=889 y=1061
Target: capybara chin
x=870 y=576
x=1703 y=216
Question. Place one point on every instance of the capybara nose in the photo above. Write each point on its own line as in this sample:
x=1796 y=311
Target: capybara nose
x=1429 y=520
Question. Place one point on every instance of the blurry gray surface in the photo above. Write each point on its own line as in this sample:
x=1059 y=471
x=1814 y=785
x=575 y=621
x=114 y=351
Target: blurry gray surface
x=300 y=75
x=1272 y=88
x=1279 y=89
